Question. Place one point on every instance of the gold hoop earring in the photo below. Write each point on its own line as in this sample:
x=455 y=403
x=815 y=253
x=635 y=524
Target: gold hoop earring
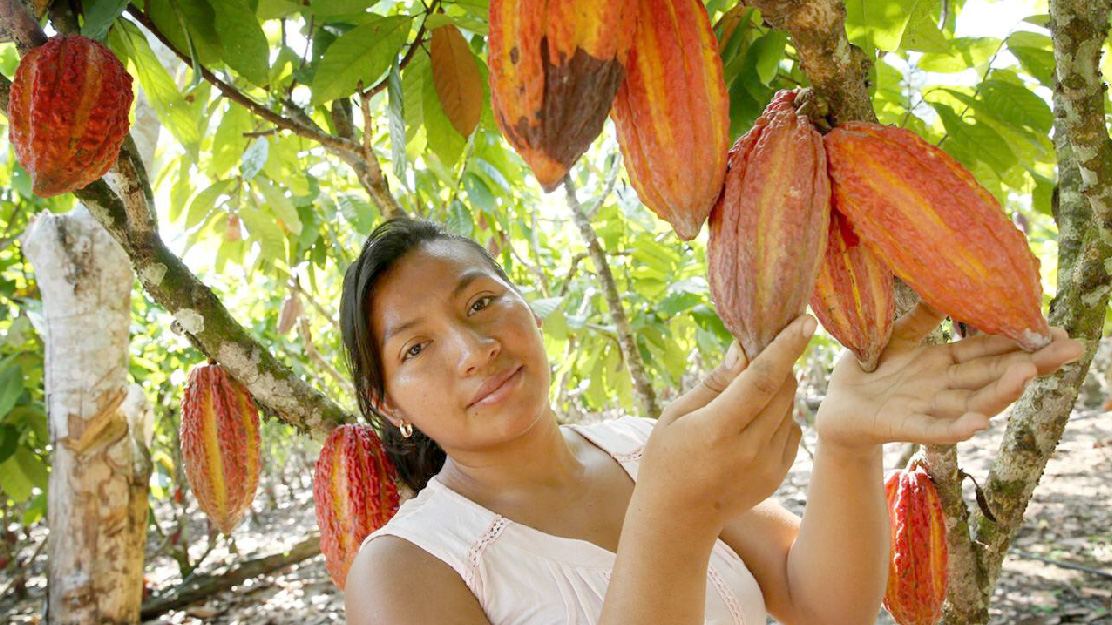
x=406 y=429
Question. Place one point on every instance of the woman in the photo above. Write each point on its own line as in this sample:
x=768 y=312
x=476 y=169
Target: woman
x=519 y=520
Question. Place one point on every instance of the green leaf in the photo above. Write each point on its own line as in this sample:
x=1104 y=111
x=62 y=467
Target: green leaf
x=263 y=230
x=363 y=54
x=205 y=201
x=245 y=47
x=545 y=307
x=463 y=22
x=13 y=481
x=459 y=220
x=880 y=21
x=229 y=143
x=478 y=193
x=166 y=100
x=189 y=25
x=280 y=205
x=1035 y=54
x=11 y=387
x=99 y=15
x=277 y=9
x=357 y=211
x=340 y=8
x=922 y=33
x=9 y=440
x=769 y=49
x=395 y=111
x=965 y=53
x=416 y=76
x=974 y=142
x=1017 y=105
x=32 y=466
x=254 y=158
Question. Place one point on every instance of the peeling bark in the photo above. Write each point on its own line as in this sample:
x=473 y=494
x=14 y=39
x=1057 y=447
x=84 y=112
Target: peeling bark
x=99 y=424
x=626 y=342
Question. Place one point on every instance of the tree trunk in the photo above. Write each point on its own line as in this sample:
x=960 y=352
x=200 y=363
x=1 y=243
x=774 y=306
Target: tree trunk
x=99 y=424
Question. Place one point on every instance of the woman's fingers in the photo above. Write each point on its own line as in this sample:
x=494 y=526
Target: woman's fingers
x=930 y=430
x=751 y=391
x=981 y=346
x=1060 y=351
x=983 y=362
x=917 y=323
x=977 y=373
x=993 y=394
x=764 y=426
x=709 y=387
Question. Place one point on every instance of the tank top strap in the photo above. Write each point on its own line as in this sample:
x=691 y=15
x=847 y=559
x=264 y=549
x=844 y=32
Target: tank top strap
x=623 y=438
x=448 y=529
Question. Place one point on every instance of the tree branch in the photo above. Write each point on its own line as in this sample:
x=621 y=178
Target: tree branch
x=626 y=342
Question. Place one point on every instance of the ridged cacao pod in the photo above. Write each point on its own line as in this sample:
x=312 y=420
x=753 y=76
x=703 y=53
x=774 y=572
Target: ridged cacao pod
x=555 y=66
x=355 y=493
x=68 y=112
x=940 y=231
x=768 y=229
x=918 y=567
x=220 y=444
x=672 y=113
x=853 y=296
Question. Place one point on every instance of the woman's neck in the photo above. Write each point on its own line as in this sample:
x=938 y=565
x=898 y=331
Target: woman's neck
x=541 y=462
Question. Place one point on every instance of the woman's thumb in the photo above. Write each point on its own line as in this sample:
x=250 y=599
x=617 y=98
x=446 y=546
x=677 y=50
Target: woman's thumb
x=733 y=363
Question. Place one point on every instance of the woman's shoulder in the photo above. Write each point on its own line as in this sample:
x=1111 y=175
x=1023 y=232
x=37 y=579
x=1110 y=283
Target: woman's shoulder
x=623 y=435
x=395 y=581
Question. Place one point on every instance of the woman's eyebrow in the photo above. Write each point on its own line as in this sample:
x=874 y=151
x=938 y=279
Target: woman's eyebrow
x=465 y=280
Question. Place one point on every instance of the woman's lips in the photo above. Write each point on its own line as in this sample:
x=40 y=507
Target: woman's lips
x=502 y=391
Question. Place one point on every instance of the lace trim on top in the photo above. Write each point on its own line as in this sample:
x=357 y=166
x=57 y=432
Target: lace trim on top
x=727 y=595
x=475 y=552
x=633 y=456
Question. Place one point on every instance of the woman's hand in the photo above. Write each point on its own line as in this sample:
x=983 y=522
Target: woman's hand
x=935 y=393
x=724 y=447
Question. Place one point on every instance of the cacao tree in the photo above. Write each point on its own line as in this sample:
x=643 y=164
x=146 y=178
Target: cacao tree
x=289 y=129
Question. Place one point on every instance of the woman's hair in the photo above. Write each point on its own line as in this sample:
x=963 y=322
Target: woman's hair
x=417 y=458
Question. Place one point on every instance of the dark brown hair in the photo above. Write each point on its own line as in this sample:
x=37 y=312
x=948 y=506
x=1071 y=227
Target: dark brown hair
x=417 y=458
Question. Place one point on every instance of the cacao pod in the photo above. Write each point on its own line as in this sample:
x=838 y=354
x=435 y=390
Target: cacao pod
x=555 y=66
x=853 y=296
x=220 y=444
x=354 y=492
x=768 y=229
x=918 y=568
x=940 y=231
x=672 y=113
x=68 y=113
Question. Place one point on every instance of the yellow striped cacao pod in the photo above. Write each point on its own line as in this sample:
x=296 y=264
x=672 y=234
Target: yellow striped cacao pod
x=355 y=493
x=918 y=561
x=768 y=229
x=220 y=444
x=672 y=113
x=555 y=66
x=68 y=113
x=939 y=230
x=853 y=296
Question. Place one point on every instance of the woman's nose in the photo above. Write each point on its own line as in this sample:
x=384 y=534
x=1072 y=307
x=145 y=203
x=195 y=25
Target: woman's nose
x=477 y=350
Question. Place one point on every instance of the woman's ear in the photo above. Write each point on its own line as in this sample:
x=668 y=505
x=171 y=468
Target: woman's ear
x=385 y=407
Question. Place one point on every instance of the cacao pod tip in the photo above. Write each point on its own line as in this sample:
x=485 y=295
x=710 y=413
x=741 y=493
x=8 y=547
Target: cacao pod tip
x=1032 y=341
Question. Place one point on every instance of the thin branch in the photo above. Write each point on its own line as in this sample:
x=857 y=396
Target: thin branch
x=418 y=41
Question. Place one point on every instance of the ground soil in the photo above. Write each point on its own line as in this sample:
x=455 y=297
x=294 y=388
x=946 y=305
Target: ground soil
x=1068 y=524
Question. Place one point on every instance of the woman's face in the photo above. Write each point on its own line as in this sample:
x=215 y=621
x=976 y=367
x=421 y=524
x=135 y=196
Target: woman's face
x=448 y=330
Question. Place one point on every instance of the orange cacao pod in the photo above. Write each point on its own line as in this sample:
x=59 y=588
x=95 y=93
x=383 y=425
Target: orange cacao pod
x=853 y=296
x=555 y=66
x=940 y=231
x=354 y=492
x=220 y=444
x=918 y=568
x=672 y=113
x=768 y=229
x=68 y=113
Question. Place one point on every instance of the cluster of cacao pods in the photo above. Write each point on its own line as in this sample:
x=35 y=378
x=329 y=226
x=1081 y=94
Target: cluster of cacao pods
x=354 y=492
x=829 y=219
x=559 y=67
x=68 y=113
x=220 y=444
x=918 y=563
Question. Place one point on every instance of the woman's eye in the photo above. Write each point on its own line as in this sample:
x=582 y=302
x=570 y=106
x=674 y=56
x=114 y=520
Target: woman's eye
x=413 y=351
x=486 y=298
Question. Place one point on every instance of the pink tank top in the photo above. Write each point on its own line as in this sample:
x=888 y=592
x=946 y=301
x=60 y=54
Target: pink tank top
x=522 y=576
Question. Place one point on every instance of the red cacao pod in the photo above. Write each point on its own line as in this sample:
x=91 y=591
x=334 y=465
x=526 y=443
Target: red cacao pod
x=768 y=229
x=940 y=231
x=220 y=444
x=672 y=113
x=853 y=296
x=68 y=113
x=918 y=564
x=555 y=66
x=355 y=493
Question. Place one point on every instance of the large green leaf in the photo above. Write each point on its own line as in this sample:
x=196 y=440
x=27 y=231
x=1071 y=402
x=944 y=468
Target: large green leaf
x=279 y=204
x=263 y=230
x=205 y=201
x=99 y=15
x=245 y=47
x=965 y=53
x=395 y=115
x=922 y=33
x=229 y=141
x=189 y=21
x=165 y=97
x=11 y=387
x=768 y=50
x=13 y=481
x=1035 y=54
x=882 y=21
x=362 y=54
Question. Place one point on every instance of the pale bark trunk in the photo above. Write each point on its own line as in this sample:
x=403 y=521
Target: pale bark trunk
x=99 y=424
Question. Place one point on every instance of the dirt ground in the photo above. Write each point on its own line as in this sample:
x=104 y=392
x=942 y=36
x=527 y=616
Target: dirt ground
x=1068 y=524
